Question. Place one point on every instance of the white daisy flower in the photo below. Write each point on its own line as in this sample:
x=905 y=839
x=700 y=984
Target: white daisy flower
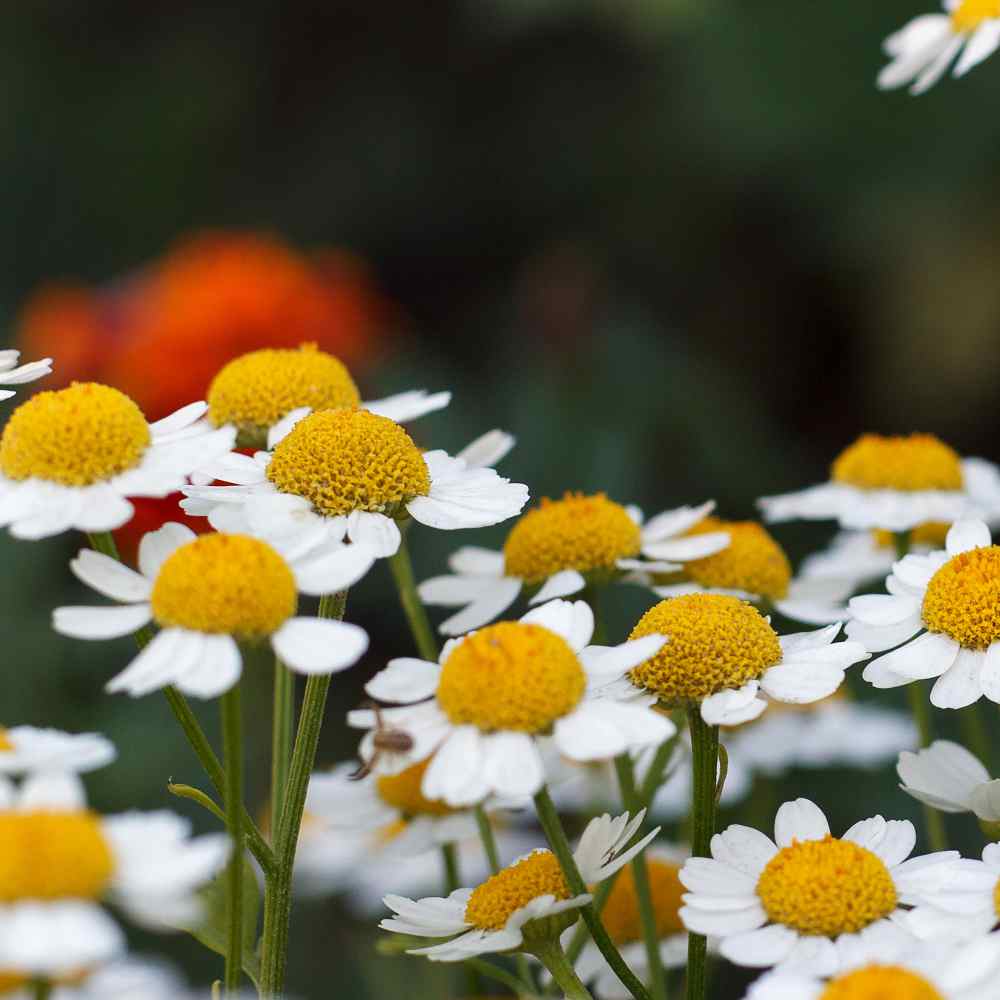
x=208 y=593
x=557 y=548
x=392 y=802
x=923 y=49
x=11 y=374
x=886 y=962
x=835 y=732
x=24 y=749
x=753 y=567
x=893 y=483
x=263 y=394
x=509 y=911
x=496 y=691
x=351 y=474
x=948 y=777
x=622 y=920
x=61 y=862
x=71 y=458
x=798 y=901
x=950 y=599
x=723 y=655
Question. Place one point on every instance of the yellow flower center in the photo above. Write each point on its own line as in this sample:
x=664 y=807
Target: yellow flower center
x=512 y=676
x=402 y=792
x=963 y=598
x=225 y=584
x=969 y=14
x=256 y=390
x=621 y=912
x=492 y=904
x=5 y=744
x=753 y=560
x=932 y=533
x=880 y=982
x=715 y=642
x=346 y=460
x=53 y=855
x=916 y=462
x=996 y=899
x=826 y=887
x=12 y=981
x=76 y=436
x=585 y=533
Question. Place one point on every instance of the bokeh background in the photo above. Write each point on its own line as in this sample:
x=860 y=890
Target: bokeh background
x=681 y=248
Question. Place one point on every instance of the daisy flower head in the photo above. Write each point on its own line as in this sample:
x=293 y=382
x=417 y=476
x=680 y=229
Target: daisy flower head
x=885 y=962
x=257 y=391
x=207 y=594
x=754 y=567
x=889 y=482
x=496 y=692
x=951 y=599
x=350 y=474
x=723 y=655
x=71 y=458
x=802 y=897
x=923 y=49
x=122 y=979
x=12 y=374
x=948 y=777
x=523 y=906
x=60 y=863
x=623 y=921
x=557 y=549
x=27 y=749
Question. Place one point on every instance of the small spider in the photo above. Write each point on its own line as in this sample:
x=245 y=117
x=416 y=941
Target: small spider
x=385 y=739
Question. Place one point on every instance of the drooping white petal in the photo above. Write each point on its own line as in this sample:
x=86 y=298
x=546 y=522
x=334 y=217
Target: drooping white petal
x=100 y=623
x=512 y=765
x=560 y=584
x=167 y=658
x=334 y=570
x=959 y=685
x=495 y=599
x=488 y=449
x=109 y=577
x=929 y=655
x=319 y=645
x=375 y=531
x=218 y=669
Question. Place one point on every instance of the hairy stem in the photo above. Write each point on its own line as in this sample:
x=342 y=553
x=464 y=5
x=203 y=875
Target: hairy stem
x=232 y=732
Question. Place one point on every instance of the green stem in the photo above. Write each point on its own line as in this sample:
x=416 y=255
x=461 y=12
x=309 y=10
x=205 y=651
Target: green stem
x=562 y=971
x=488 y=839
x=278 y=886
x=416 y=615
x=491 y=971
x=640 y=875
x=452 y=877
x=704 y=781
x=549 y=818
x=975 y=734
x=281 y=736
x=232 y=734
x=41 y=989
x=654 y=775
x=104 y=542
x=920 y=708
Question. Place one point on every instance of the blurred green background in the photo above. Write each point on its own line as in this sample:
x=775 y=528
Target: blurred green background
x=681 y=249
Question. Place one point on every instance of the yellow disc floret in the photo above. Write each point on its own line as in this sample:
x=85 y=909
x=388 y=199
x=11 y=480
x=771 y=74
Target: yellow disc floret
x=970 y=14
x=10 y=982
x=53 y=855
x=5 y=744
x=916 y=462
x=585 y=533
x=753 y=561
x=826 y=887
x=256 y=390
x=77 y=436
x=714 y=643
x=402 y=792
x=492 y=904
x=962 y=599
x=932 y=533
x=621 y=915
x=512 y=676
x=225 y=584
x=346 y=460
x=880 y=982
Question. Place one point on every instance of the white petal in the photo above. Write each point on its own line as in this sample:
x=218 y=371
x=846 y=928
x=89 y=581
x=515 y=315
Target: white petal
x=109 y=577
x=601 y=661
x=929 y=655
x=100 y=623
x=218 y=669
x=58 y=937
x=989 y=673
x=799 y=820
x=731 y=707
x=958 y=686
x=762 y=947
x=966 y=535
x=724 y=923
x=319 y=646
x=801 y=684
x=53 y=791
x=981 y=45
x=497 y=598
x=336 y=570
x=573 y=620
x=376 y=532
x=688 y=548
x=157 y=546
x=743 y=848
x=166 y=659
x=938 y=67
x=883 y=609
x=471 y=560
x=561 y=584
x=404 y=680
x=487 y=449
x=406 y=406
x=512 y=765
x=675 y=522
x=455 y=773
x=285 y=425
x=465 y=498
x=179 y=419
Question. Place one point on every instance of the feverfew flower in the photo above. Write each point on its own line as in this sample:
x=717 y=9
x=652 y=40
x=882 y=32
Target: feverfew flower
x=60 y=862
x=950 y=598
x=557 y=549
x=948 y=777
x=893 y=483
x=24 y=749
x=513 y=910
x=11 y=374
x=208 y=594
x=71 y=458
x=495 y=692
x=798 y=901
x=923 y=49
x=723 y=655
